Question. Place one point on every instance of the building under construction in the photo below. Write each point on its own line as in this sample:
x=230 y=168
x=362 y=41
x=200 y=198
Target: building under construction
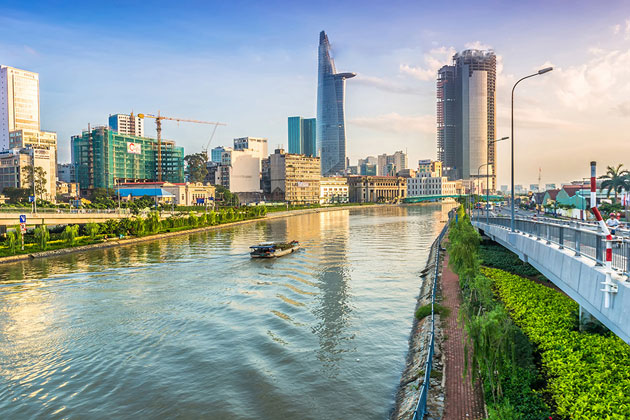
x=104 y=158
x=466 y=115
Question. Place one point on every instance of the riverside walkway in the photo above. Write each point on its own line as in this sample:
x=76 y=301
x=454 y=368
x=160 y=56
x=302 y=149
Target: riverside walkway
x=572 y=258
x=463 y=401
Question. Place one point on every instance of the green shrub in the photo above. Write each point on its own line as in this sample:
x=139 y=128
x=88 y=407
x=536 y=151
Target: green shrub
x=425 y=310
x=70 y=234
x=92 y=229
x=12 y=241
x=588 y=374
x=496 y=256
x=42 y=235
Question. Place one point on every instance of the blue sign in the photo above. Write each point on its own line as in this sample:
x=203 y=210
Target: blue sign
x=22 y=218
x=31 y=198
x=201 y=200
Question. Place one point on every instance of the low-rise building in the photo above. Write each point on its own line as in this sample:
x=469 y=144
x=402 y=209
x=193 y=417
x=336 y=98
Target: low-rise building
x=333 y=190
x=376 y=189
x=15 y=165
x=294 y=178
x=181 y=194
x=68 y=189
x=426 y=183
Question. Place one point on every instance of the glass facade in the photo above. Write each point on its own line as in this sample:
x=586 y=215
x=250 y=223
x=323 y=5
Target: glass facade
x=102 y=158
x=331 y=128
x=302 y=138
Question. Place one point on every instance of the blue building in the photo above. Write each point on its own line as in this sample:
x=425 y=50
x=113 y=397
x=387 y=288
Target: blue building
x=216 y=153
x=331 y=127
x=302 y=139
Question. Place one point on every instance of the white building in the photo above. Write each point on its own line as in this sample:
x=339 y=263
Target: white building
x=389 y=165
x=333 y=190
x=127 y=124
x=257 y=145
x=428 y=183
x=239 y=171
x=66 y=172
x=19 y=102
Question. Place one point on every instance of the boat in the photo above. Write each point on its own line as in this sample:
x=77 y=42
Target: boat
x=273 y=249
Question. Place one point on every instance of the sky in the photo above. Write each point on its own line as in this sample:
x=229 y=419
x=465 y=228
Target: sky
x=253 y=64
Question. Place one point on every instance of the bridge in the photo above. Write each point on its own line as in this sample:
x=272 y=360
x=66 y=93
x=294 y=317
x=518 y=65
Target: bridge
x=572 y=257
x=421 y=198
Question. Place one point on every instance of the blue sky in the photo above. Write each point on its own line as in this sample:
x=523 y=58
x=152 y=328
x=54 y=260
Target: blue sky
x=253 y=64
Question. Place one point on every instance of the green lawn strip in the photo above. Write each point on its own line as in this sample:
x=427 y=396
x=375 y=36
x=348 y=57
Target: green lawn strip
x=588 y=374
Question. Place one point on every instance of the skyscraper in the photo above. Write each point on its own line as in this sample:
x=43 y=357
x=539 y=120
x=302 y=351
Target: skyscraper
x=466 y=115
x=302 y=138
x=331 y=127
x=19 y=102
x=127 y=124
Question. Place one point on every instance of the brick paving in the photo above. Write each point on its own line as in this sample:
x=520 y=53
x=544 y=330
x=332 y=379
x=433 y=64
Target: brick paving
x=463 y=401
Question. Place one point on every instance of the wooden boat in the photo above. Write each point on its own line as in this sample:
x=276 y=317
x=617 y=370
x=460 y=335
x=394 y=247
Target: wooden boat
x=273 y=249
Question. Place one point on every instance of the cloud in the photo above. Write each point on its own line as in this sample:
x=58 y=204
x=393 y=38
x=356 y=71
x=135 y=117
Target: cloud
x=396 y=123
x=387 y=85
x=595 y=82
x=477 y=45
x=435 y=59
x=622 y=29
x=622 y=109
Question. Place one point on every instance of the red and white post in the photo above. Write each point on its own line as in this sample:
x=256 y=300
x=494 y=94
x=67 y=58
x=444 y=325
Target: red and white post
x=609 y=286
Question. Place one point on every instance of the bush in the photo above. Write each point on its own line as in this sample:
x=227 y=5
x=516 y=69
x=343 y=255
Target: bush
x=424 y=311
x=70 y=234
x=92 y=229
x=42 y=236
x=496 y=256
x=12 y=241
x=588 y=374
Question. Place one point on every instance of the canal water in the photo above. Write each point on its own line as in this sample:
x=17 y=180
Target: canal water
x=191 y=327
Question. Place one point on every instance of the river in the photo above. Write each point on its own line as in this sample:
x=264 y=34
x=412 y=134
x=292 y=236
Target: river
x=191 y=327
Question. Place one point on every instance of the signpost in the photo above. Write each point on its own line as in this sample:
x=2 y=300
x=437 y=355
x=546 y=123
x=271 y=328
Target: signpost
x=22 y=228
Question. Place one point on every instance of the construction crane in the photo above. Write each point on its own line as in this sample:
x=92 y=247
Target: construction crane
x=158 y=122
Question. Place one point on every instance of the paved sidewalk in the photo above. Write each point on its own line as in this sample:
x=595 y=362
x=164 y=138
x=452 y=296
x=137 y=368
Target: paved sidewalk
x=462 y=400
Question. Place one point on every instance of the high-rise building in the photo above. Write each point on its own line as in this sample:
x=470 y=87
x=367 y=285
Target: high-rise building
x=466 y=115
x=389 y=165
x=257 y=145
x=217 y=153
x=302 y=139
x=127 y=124
x=104 y=158
x=19 y=102
x=239 y=170
x=331 y=127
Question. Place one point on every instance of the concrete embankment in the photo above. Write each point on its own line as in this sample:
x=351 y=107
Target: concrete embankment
x=131 y=241
x=419 y=342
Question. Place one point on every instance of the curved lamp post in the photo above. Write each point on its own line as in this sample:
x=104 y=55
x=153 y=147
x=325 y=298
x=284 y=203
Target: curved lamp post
x=481 y=192
x=539 y=72
x=488 y=175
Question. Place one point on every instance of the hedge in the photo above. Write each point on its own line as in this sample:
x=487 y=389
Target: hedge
x=588 y=374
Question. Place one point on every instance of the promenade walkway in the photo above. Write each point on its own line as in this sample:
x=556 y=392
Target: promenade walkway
x=463 y=401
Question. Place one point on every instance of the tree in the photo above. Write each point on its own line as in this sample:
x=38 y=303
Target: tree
x=16 y=195
x=28 y=173
x=196 y=167
x=70 y=234
x=616 y=180
x=42 y=236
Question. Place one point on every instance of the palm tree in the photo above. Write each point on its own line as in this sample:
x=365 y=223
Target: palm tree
x=616 y=180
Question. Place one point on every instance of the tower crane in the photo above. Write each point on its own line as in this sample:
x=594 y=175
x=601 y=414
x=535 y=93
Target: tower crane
x=158 y=122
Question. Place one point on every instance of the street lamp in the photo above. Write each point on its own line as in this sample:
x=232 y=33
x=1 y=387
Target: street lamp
x=539 y=72
x=481 y=166
x=488 y=175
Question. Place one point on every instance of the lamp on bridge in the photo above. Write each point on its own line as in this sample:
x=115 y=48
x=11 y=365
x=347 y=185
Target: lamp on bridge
x=539 y=72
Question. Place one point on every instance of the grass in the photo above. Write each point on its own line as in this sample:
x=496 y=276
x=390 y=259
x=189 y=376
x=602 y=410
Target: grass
x=424 y=311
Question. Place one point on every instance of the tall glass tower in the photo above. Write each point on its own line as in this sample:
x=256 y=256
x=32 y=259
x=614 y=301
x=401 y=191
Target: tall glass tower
x=331 y=127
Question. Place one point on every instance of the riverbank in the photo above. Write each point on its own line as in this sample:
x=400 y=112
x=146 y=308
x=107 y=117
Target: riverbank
x=131 y=241
x=419 y=342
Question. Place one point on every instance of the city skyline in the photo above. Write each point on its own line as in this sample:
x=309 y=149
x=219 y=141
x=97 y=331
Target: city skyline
x=391 y=102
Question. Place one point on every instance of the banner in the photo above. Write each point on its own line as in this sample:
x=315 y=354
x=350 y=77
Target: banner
x=135 y=148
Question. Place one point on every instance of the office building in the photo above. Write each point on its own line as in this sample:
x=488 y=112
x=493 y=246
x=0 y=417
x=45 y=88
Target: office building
x=302 y=136
x=389 y=165
x=15 y=165
x=65 y=172
x=19 y=102
x=333 y=190
x=216 y=154
x=466 y=115
x=127 y=124
x=331 y=126
x=103 y=158
x=257 y=145
x=239 y=171
x=294 y=178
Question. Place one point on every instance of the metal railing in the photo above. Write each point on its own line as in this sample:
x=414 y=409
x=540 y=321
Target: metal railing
x=421 y=407
x=29 y=210
x=578 y=237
